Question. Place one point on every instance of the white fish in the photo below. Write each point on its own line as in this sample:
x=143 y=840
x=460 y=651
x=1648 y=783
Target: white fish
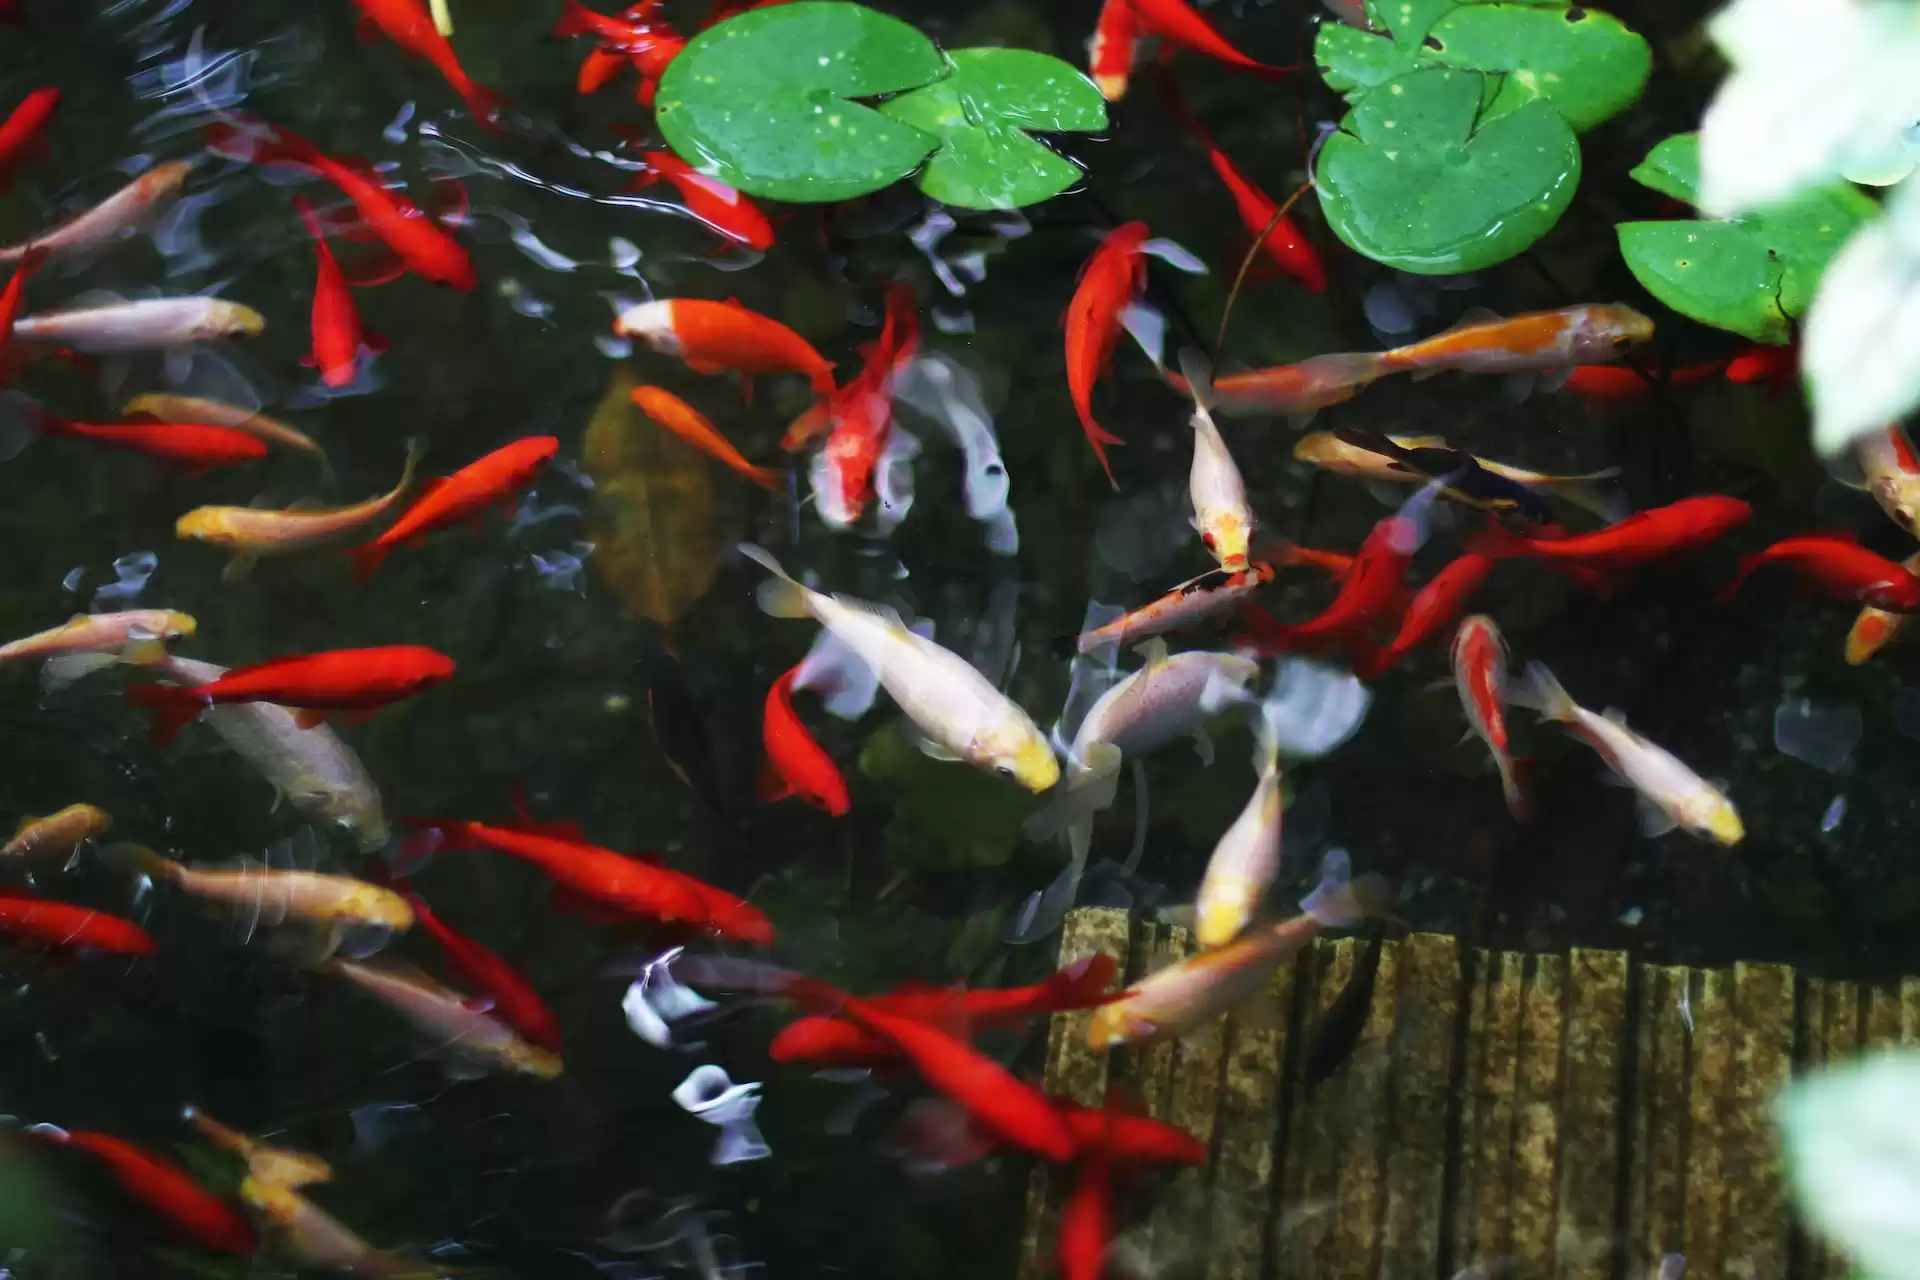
x=1220 y=511
x=88 y=641
x=151 y=324
x=709 y=1093
x=1674 y=795
x=450 y=1019
x=119 y=215
x=1247 y=857
x=959 y=710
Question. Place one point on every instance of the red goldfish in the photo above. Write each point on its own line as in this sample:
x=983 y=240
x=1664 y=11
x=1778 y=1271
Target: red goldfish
x=1110 y=52
x=421 y=246
x=722 y=337
x=164 y=1187
x=312 y=685
x=1609 y=382
x=1178 y=23
x=513 y=998
x=41 y=922
x=1128 y=1139
x=712 y=201
x=24 y=131
x=1108 y=284
x=194 y=447
x=862 y=416
x=1086 y=1220
x=1479 y=659
x=1765 y=364
x=1642 y=537
x=1285 y=244
x=1432 y=610
x=796 y=764
x=637 y=37
x=687 y=422
x=337 y=336
x=10 y=302
x=494 y=480
x=408 y=24
x=1841 y=568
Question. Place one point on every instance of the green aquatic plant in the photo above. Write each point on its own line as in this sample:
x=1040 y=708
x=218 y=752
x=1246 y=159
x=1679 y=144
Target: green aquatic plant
x=1751 y=274
x=1459 y=149
x=767 y=102
x=944 y=817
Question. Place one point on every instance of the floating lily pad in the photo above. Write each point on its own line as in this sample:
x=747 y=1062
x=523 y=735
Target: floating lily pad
x=944 y=816
x=1585 y=62
x=762 y=100
x=1416 y=180
x=1408 y=20
x=1350 y=59
x=1751 y=275
x=981 y=112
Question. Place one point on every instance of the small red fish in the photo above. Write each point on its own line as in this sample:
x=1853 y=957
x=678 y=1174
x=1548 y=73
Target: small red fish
x=23 y=133
x=1479 y=660
x=1285 y=244
x=1642 y=537
x=194 y=447
x=163 y=1187
x=409 y=24
x=417 y=241
x=1433 y=609
x=1128 y=1139
x=638 y=38
x=1086 y=1221
x=712 y=201
x=1108 y=284
x=796 y=764
x=41 y=922
x=337 y=335
x=495 y=480
x=1177 y=23
x=311 y=685
x=514 y=1000
x=10 y=303
x=1839 y=567
x=1603 y=383
x=725 y=337
x=1110 y=53
x=861 y=415
x=1774 y=365
x=597 y=70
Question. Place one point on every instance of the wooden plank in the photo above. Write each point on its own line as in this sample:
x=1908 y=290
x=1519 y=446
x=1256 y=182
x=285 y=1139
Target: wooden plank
x=1314 y=1141
x=1882 y=1029
x=1357 y=1102
x=1254 y=1059
x=1180 y=1222
x=1426 y=1006
x=1658 y=1129
x=1482 y=1226
x=1074 y=1070
x=1833 y=1035
x=1596 y=1041
x=1149 y=1078
x=1536 y=1118
x=1756 y=1201
x=1709 y=1087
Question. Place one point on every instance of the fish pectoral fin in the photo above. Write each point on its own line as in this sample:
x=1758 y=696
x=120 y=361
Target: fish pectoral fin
x=1654 y=821
x=934 y=750
x=308 y=717
x=239 y=567
x=1203 y=747
x=62 y=671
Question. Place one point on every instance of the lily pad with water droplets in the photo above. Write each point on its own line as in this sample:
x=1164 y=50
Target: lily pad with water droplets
x=982 y=112
x=762 y=101
x=1751 y=275
x=1416 y=179
x=1585 y=62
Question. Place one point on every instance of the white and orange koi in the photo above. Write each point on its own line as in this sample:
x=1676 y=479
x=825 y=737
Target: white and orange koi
x=1875 y=629
x=1211 y=595
x=91 y=640
x=1220 y=511
x=113 y=219
x=1892 y=474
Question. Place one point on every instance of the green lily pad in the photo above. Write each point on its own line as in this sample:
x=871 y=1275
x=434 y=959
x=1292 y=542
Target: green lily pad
x=762 y=100
x=944 y=817
x=1416 y=180
x=1350 y=59
x=1584 y=62
x=1751 y=275
x=1408 y=20
x=981 y=112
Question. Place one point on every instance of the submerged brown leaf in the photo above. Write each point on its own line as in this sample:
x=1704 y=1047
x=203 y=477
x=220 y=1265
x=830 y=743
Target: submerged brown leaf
x=655 y=543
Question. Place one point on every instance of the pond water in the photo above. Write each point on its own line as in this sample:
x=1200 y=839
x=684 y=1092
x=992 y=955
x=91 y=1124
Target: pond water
x=612 y=664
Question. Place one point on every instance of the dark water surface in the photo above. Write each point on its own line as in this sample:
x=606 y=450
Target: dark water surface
x=555 y=668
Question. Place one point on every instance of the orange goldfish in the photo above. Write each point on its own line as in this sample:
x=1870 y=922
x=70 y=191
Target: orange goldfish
x=681 y=418
x=109 y=222
x=23 y=132
x=408 y=24
x=492 y=481
x=712 y=201
x=1875 y=629
x=358 y=681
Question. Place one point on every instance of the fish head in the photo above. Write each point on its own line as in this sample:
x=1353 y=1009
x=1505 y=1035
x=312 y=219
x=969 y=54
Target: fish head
x=1224 y=910
x=173 y=625
x=1020 y=751
x=206 y=524
x=1898 y=496
x=233 y=318
x=1114 y=1024
x=1606 y=332
x=1715 y=818
x=1227 y=534
x=530 y=1059
x=377 y=906
x=652 y=323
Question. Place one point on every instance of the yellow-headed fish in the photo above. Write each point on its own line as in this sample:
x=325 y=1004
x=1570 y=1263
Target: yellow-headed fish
x=57 y=834
x=452 y=1020
x=252 y=532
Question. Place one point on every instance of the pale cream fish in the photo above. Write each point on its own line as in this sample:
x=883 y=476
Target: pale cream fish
x=1247 y=857
x=319 y=1240
x=57 y=834
x=314 y=770
x=1185 y=996
x=167 y=407
x=450 y=1019
x=113 y=219
x=1671 y=794
x=1220 y=511
x=275 y=894
x=90 y=641
x=1890 y=472
x=1329 y=452
x=150 y=324
x=253 y=532
x=961 y=713
x=268 y=1166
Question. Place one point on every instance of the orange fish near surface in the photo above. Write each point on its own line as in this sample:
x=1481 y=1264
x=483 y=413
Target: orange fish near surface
x=1178 y=23
x=861 y=415
x=1432 y=610
x=495 y=480
x=312 y=685
x=1479 y=659
x=638 y=38
x=725 y=337
x=408 y=24
x=1875 y=629
x=796 y=764
x=61 y=926
x=337 y=335
x=1841 y=568
x=709 y=199
x=687 y=422
x=24 y=131
x=193 y=1211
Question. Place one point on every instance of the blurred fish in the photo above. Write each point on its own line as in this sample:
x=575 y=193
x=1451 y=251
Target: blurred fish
x=450 y=1019
x=195 y=448
x=10 y=303
x=1671 y=794
x=253 y=532
x=638 y=37
x=23 y=132
x=709 y=1094
x=860 y=415
x=1479 y=660
x=1110 y=51
x=410 y=25
x=311 y=685
x=1178 y=23
x=511 y=997
x=338 y=338
x=1086 y=1220
x=681 y=418
x=1839 y=567
x=271 y=1166
x=1611 y=383
x=57 y=834
x=1126 y=1139
x=1642 y=537
x=1464 y=479
x=1291 y=389
x=1220 y=512
x=729 y=213
x=274 y=894
x=63 y=927
x=493 y=481
x=1209 y=596
x=1430 y=612
x=796 y=764
x=1891 y=470
x=151 y=324
x=1875 y=629
x=317 y=1239
x=962 y=714
x=112 y=220
x=1352 y=453
x=89 y=641
x=190 y=1210
x=1339 y=1028
x=1244 y=863
x=165 y=407
x=1184 y=996
x=724 y=337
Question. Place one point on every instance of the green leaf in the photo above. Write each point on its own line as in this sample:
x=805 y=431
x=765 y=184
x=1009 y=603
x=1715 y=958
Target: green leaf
x=1584 y=62
x=1408 y=20
x=943 y=817
x=981 y=112
x=1751 y=275
x=761 y=101
x=1415 y=180
x=1351 y=59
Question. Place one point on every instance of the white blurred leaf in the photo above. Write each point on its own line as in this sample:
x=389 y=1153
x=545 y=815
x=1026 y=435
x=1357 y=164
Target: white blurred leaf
x=1861 y=348
x=1852 y=1138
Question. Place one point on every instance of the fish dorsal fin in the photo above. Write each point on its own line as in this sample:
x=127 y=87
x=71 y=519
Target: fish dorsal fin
x=1152 y=650
x=882 y=612
x=1474 y=316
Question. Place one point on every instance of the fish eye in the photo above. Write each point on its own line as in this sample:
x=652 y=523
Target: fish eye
x=1621 y=342
x=1004 y=770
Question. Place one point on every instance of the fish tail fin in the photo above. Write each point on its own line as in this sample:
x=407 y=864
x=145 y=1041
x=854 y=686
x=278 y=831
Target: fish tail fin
x=769 y=478
x=171 y=705
x=823 y=384
x=574 y=21
x=484 y=105
x=1496 y=542
x=1344 y=368
x=1198 y=372
x=310 y=218
x=126 y=856
x=1587 y=493
x=1742 y=571
x=1513 y=786
x=260 y=144
x=368 y=559
x=1084 y=982
x=1539 y=691
x=779 y=596
x=1342 y=900
x=1147 y=326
